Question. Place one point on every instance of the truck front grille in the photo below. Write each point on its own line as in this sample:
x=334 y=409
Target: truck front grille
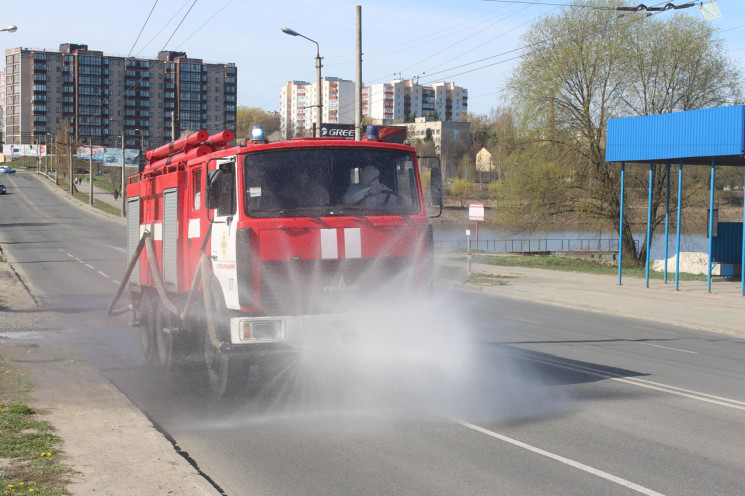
x=325 y=285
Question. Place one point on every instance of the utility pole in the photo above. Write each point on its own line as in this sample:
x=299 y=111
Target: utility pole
x=122 y=189
x=56 y=162
x=90 y=171
x=358 y=82
x=70 y=164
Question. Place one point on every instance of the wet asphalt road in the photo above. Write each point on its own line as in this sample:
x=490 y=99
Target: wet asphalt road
x=472 y=395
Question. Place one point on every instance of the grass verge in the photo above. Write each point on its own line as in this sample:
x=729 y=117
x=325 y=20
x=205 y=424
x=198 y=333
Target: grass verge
x=568 y=264
x=29 y=450
x=109 y=209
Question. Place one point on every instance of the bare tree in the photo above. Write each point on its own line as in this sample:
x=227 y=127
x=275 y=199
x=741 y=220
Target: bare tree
x=585 y=66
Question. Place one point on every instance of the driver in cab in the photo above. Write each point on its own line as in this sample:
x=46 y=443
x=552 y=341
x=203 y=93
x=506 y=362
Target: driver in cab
x=369 y=191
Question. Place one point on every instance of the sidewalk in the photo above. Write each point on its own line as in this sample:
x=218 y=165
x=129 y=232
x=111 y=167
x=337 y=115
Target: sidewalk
x=100 y=194
x=722 y=310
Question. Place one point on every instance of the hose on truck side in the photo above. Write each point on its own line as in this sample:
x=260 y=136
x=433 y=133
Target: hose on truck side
x=110 y=311
x=203 y=268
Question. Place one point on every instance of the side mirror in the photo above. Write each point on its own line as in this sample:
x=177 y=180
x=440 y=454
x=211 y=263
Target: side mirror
x=214 y=188
x=435 y=186
x=435 y=182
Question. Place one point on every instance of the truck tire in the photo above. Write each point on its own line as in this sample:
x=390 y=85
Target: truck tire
x=147 y=327
x=168 y=350
x=227 y=372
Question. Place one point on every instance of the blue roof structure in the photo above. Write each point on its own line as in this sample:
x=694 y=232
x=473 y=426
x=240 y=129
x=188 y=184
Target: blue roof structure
x=695 y=136
x=714 y=136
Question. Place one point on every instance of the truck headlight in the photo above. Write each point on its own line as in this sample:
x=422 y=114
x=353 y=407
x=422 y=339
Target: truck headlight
x=252 y=330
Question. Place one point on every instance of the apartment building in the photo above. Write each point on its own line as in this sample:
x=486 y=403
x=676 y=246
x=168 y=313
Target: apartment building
x=103 y=97
x=442 y=132
x=297 y=102
x=405 y=99
x=2 y=104
x=396 y=102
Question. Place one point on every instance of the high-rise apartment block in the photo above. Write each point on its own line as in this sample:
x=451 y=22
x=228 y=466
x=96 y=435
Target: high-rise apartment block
x=103 y=97
x=297 y=102
x=400 y=101
x=404 y=99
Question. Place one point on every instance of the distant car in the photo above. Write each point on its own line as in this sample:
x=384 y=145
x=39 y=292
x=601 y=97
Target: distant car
x=7 y=170
x=2 y=189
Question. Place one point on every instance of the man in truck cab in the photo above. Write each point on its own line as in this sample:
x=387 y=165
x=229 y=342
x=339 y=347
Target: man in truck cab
x=369 y=191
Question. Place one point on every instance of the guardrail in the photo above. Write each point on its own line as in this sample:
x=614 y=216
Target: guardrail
x=542 y=245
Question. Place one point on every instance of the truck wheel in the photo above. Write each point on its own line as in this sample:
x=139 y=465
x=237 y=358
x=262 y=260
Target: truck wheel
x=167 y=342
x=227 y=373
x=147 y=327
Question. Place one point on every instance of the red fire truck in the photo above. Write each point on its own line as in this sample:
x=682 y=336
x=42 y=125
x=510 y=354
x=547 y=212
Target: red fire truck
x=238 y=252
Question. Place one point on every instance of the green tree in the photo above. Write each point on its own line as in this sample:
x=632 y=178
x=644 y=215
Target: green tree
x=585 y=66
x=247 y=117
x=461 y=190
x=424 y=148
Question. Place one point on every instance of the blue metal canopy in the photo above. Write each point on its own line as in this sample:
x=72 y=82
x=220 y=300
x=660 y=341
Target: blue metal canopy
x=696 y=137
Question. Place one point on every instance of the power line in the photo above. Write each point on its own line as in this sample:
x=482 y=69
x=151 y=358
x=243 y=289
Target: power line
x=527 y=48
x=204 y=24
x=143 y=28
x=179 y=25
x=164 y=26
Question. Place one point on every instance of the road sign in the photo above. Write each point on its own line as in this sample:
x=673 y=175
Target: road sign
x=476 y=211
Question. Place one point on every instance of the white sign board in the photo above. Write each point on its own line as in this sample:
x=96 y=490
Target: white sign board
x=476 y=211
x=468 y=232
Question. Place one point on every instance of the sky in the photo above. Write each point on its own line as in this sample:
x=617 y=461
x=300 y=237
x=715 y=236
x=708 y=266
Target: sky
x=473 y=43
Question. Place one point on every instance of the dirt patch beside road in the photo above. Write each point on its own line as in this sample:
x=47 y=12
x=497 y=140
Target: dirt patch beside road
x=113 y=447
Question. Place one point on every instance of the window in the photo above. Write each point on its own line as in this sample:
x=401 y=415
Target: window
x=196 y=188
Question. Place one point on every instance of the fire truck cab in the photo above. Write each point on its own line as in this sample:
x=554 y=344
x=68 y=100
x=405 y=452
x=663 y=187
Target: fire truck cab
x=245 y=251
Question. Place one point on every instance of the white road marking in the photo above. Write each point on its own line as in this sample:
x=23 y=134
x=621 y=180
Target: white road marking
x=559 y=458
x=667 y=347
x=122 y=250
x=687 y=393
x=92 y=267
x=116 y=282
x=523 y=320
x=696 y=395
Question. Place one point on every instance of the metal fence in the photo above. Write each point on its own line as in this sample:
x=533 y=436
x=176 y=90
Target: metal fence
x=542 y=245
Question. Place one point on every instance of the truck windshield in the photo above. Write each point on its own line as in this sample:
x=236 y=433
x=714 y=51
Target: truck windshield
x=330 y=181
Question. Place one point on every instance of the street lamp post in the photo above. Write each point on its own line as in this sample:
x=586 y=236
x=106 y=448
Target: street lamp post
x=46 y=142
x=90 y=171
x=318 y=77
x=11 y=29
x=122 y=189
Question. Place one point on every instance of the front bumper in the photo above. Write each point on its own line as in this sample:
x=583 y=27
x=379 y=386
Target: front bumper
x=291 y=330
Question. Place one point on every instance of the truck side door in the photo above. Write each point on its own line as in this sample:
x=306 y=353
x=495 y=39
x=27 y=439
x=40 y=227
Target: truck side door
x=223 y=237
